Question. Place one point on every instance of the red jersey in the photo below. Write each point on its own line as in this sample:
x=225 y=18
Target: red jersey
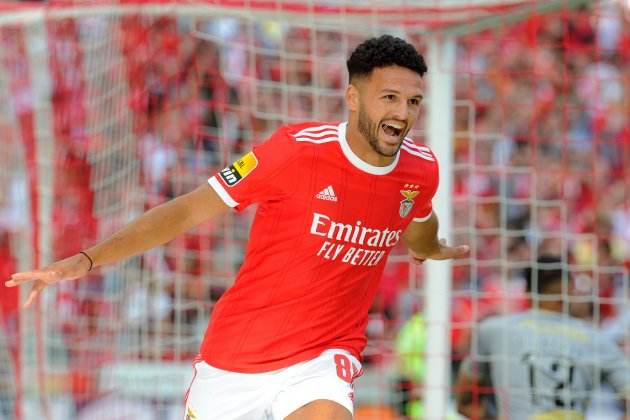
x=325 y=225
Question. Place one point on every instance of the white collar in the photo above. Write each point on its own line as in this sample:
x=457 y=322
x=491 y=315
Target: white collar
x=357 y=161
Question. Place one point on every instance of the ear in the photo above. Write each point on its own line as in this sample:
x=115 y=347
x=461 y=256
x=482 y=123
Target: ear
x=352 y=98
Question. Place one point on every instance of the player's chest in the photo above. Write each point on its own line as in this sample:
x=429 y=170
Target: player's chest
x=342 y=193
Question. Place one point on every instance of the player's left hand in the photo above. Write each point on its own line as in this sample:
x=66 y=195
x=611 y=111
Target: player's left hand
x=444 y=252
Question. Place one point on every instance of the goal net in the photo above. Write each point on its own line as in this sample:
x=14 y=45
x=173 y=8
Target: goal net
x=112 y=107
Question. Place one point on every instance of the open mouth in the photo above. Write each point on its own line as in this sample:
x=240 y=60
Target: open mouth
x=392 y=130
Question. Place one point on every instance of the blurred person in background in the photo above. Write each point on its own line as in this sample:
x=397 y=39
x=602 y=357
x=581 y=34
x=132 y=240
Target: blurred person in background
x=542 y=364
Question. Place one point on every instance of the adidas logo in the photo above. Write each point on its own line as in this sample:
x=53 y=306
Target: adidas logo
x=327 y=194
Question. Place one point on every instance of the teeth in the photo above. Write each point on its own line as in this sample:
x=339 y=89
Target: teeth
x=396 y=126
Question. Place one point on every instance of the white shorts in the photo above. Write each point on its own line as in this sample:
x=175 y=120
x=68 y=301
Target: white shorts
x=216 y=394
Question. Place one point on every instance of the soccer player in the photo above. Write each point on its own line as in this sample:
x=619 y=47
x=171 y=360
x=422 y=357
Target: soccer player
x=542 y=363
x=333 y=200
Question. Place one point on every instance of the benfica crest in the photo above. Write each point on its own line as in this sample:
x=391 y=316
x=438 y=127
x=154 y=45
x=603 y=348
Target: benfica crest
x=407 y=203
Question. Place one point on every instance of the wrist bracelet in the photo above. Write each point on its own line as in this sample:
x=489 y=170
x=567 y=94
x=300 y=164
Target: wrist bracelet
x=88 y=257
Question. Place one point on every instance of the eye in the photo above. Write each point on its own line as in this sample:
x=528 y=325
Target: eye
x=414 y=101
x=389 y=98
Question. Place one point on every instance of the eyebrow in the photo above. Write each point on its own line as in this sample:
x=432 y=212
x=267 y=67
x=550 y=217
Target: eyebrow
x=419 y=96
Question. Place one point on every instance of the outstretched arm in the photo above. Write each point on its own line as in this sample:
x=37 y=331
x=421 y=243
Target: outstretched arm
x=155 y=227
x=423 y=243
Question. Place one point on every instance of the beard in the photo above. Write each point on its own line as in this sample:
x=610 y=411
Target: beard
x=369 y=130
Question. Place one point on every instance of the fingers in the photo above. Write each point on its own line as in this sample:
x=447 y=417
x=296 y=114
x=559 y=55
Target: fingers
x=417 y=260
x=26 y=276
x=450 y=252
x=460 y=251
x=37 y=288
x=453 y=252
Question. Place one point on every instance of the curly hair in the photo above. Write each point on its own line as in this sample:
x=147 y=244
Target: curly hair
x=386 y=50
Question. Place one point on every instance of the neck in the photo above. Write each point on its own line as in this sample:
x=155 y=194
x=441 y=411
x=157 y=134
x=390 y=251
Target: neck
x=360 y=146
x=550 y=305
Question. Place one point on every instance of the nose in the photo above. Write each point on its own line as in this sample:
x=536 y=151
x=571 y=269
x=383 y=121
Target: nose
x=401 y=111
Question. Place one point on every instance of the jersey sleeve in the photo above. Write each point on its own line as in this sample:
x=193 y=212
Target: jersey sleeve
x=431 y=175
x=263 y=174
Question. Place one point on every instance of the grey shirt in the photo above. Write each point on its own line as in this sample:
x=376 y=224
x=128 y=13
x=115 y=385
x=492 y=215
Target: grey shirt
x=543 y=364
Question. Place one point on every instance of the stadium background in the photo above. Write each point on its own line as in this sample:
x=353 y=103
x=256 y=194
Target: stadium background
x=105 y=113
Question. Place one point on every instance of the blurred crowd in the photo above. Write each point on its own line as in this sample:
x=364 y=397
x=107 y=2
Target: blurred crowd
x=542 y=164
x=541 y=158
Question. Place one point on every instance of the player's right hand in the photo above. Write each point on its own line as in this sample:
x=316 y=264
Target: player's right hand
x=67 y=269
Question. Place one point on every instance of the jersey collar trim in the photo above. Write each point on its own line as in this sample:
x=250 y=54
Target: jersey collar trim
x=357 y=161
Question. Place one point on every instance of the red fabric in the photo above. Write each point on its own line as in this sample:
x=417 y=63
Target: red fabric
x=10 y=295
x=292 y=298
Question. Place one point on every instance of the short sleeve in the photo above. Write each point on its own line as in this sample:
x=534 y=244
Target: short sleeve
x=431 y=180
x=261 y=175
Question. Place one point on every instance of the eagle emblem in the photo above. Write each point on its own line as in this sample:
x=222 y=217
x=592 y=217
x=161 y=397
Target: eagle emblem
x=407 y=203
